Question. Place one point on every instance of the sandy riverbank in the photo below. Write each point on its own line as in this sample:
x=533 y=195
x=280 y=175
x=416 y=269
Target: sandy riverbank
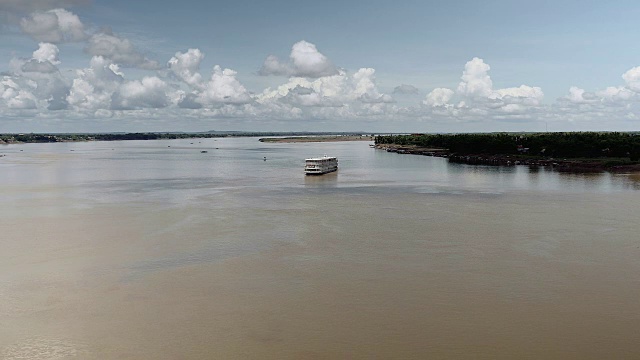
x=299 y=139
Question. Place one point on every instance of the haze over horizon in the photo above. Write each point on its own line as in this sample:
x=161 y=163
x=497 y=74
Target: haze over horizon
x=415 y=66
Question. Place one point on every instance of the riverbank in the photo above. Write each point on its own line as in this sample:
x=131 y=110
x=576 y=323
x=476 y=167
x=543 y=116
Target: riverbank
x=302 y=139
x=81 y=137
x=582 y=165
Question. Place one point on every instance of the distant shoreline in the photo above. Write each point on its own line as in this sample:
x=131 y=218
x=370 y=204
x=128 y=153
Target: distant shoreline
x=82 y=137
x=579 y=152
x=592 y=165
x=305 y=139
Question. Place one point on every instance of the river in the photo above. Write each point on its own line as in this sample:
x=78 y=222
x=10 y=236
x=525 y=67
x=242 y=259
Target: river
x=156 y=250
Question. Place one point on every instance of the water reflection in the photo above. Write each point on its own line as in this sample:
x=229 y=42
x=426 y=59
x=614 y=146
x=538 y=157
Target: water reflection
x=326 y=180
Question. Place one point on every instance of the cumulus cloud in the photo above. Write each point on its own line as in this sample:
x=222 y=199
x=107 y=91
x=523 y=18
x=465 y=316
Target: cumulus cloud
x=54 y=26
x=475 y=79
x=329 y=91
x=476 y=88
x=341 y=96
x=189 y=101
x=365 y=88
x=311 y=93
x=94 y=86
x=15 y=97
x=579 y=96
x=632 y=78
x=150 y=92
x=119 y=50
x=39 y=66
x=185 y=66
x=615 y=94
x=304 y=61
x=523 y=94
x=476 y=98
x=35 y=83
x=306 y=97
x=223 y=87
x=273 y=66
x=406 y=89
x=438 y=97
x=44 y=60
x=102 y=86
x=605 y=100
x=47 y=52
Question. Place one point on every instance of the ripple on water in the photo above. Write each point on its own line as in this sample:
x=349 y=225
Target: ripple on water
x=43 y=348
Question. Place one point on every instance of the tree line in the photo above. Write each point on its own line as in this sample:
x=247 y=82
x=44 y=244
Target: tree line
x=560 y=144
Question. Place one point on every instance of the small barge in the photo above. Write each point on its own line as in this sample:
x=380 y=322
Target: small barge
x=322 y=165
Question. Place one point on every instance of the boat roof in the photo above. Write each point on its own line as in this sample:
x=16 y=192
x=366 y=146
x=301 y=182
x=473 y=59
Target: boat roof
x=321 y=158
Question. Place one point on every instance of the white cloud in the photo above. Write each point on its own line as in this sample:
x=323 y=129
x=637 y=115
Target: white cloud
x=438 y=97
x=475 y=79
x=36 y=83
x=478 y=101
x=615 y=94
x=35 y=86
x=186 y=66
x=632 y=78
x=47 y=52
x=610 y=99
x=363 y=84
x=342 y=96
x=524 y=94
x=329 y=91
x=273 y=66
x=577 y=96
x=54 y=26
x=15 y=97
x=304 y=61
x=94 y=86
x=44 y=60
x=223 y=87
x=150 y=92
x=119 y=50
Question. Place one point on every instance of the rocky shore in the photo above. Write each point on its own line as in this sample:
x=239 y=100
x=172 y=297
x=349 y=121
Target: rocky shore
x=565 y=165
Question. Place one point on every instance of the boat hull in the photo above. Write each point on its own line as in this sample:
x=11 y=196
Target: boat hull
x=320 y=173
x=321 y=166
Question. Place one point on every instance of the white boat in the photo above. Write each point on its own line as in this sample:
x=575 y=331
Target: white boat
x=322 y=165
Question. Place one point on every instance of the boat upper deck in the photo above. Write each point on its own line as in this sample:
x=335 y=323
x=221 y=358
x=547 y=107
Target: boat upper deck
x=322 y=159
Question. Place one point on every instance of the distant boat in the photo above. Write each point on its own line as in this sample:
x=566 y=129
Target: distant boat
x=204 y=151
x=322 y=165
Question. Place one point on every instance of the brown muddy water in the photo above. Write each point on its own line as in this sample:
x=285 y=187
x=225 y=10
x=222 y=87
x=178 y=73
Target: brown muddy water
x=154 y=250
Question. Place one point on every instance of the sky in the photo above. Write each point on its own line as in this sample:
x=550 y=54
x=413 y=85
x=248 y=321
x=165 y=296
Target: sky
x=283 y=65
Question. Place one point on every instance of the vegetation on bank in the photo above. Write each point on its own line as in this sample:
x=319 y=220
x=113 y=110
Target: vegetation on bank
x=589 y=145
x=48 y=138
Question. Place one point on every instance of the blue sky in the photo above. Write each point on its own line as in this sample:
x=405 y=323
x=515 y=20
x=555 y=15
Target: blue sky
x=82 y=65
